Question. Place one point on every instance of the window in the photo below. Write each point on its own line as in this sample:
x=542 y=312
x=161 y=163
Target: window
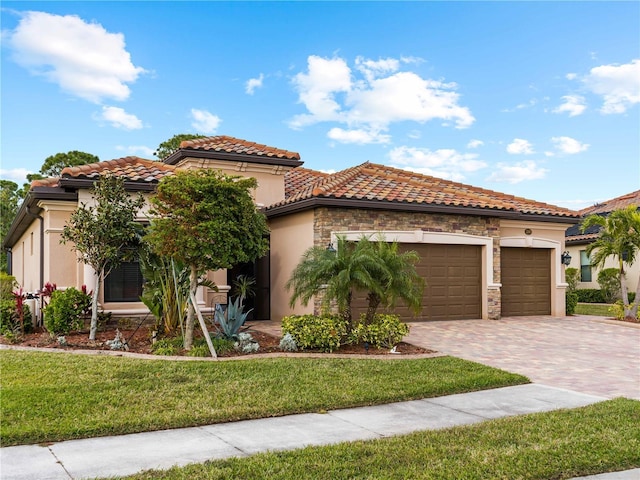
x=585 y=266
x=124 y=284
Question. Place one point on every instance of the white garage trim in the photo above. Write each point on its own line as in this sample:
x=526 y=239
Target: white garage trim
x=534 y=242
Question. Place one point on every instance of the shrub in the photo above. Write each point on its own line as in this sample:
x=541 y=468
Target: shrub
x=609 y=281
x=66 y=311
x=7 y=285
x=245 y=343
x=10 y=319
x=617 y=310
x=325 y=333
x=571 y=302
x=572 y=276
x=632 y=296
x=384 y=332
x=590 y=295
x=288 y=343
x=167 y=346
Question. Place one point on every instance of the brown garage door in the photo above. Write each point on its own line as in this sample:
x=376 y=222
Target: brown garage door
x=454 y=282
x=526 y=281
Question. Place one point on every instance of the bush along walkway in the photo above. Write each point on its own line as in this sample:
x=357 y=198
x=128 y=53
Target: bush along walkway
x=128 y=454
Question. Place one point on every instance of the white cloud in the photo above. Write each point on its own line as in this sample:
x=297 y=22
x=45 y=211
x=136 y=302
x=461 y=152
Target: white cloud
x=521 y=106
x=475 y=144
x=442 y=163
x=571 y=76
x=573 y=104
x=569 y=145
x=317 y=89
x=520 y=146
x=358 y=136
x=17 y=175
x=136 y=150
x=204 y=121
x=82 y=58
x=619 y=85
x=372 y=69
x=253 y=83
x=527 y=170
x=382 y=94
x=118 y=118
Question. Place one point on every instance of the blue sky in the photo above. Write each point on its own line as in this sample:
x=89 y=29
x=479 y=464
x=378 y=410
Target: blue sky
x=535 y=99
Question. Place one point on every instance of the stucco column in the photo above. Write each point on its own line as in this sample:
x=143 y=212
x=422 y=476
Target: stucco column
x=89 y=278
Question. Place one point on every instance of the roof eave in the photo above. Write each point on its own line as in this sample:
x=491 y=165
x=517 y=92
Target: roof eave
x=314 y=202
x=131 y=186
x=178 y=155
x=25 y=214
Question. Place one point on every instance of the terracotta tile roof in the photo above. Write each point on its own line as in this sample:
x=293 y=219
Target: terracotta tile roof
x=375 y=182
x=574 y=234
x=300 y=178
x=227 y=144
x=617 y=203
x=46 y=182
x=134 y=169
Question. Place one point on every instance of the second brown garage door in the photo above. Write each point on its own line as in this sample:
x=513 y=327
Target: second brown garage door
x=526 y=281
x=454 y=283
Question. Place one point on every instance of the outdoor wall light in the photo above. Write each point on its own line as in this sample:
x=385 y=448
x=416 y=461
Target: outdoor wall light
x=565 y=258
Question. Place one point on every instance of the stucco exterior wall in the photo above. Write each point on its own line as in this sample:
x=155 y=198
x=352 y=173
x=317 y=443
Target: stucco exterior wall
x=541 y=235
x=25 y=257
x=291 y=236
x=270 y=177
x=632 y=272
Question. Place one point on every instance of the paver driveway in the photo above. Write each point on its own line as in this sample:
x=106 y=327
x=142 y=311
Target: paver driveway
x=580 y=353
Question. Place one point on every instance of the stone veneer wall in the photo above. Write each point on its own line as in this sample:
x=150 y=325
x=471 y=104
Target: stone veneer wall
x=328 y=220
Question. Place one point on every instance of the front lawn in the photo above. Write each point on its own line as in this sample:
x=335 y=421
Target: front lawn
x=604 y=437
x=600 y=309
x=51 y=397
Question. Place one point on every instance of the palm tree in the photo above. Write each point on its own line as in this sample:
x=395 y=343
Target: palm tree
x=619 y=238
x=335 y=273
x=395 y=277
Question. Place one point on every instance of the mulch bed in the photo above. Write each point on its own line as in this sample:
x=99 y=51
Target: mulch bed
x=139 y=341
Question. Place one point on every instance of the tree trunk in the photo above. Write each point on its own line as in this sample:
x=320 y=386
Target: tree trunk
x=374 y=302
x=94 y=306
x=193 y=287
x=346 y=313
x=633 y=311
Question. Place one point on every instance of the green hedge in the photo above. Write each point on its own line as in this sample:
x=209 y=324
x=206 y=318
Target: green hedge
x=594 y=295
x=309 y=331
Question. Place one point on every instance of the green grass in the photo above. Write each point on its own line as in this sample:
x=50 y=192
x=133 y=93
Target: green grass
x=51 y=397
x=604 y=437
x=599 y=309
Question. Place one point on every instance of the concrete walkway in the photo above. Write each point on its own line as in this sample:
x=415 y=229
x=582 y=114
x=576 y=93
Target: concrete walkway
x=582 y=353
x=128 y=454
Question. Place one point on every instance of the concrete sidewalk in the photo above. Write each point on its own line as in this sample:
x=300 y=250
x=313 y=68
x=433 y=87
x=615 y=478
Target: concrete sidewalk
x=128 y=454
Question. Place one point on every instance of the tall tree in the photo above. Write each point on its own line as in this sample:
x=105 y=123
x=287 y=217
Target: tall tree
x=105 y=234
x=208 y=221
x=619 y=238
x=167 y=147
x=54 y=164
x=9 y=200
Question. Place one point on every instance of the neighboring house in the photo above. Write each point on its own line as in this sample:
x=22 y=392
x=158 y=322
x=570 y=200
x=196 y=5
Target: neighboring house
x=578 y=241
x=484 y=254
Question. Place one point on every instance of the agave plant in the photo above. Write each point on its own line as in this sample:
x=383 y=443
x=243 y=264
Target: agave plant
x=230 y=322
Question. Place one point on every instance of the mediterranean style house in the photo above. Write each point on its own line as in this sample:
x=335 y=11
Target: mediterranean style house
x=577 y=242
x=484 y=254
